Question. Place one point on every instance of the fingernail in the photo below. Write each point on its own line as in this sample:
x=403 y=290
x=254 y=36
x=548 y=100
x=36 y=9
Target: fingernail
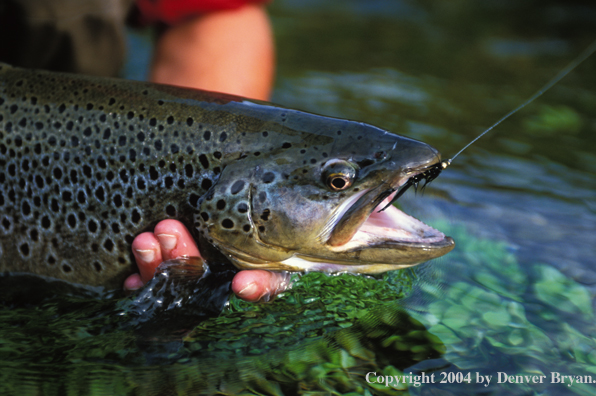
x=167 y=241
x=146 y=255
x=251 y=288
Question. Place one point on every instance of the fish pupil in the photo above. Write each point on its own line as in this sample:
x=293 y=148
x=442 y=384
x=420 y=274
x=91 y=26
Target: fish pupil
x=338 y=183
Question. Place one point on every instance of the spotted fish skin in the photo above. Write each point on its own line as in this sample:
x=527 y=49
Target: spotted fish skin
x=88 y=163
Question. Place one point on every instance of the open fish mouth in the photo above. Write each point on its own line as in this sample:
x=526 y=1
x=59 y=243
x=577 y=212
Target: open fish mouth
x=367 y=234
x=389 y=225
x=376 y=221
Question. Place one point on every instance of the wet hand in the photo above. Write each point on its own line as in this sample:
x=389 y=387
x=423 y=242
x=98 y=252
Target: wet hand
x=170 y=239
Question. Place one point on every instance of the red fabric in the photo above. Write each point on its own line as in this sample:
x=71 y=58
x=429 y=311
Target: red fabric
x=174 y=11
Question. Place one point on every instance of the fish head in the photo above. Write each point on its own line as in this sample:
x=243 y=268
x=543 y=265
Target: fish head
x=314 y=201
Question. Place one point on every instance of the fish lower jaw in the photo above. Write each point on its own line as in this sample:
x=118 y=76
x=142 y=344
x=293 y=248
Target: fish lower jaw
x=302 y=265
x=392 y=226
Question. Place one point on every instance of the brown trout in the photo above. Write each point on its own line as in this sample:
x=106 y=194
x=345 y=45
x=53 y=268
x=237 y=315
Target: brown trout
x=87 y=163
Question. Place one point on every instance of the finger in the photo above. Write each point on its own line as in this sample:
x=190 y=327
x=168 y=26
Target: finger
x=147 y=251
x=259 y=285
x=175 y=240
x=133 y=282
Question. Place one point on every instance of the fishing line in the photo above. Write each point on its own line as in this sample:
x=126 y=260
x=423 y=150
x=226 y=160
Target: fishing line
x=580 y=58
x=433 y=171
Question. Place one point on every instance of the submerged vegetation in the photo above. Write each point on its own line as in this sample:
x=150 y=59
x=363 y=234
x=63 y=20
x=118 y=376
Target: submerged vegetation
x=326 y=334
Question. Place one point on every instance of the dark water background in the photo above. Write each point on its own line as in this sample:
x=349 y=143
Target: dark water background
x=515 y=296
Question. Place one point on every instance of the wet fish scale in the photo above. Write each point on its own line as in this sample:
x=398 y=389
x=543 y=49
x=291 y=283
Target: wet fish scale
x=87 y=164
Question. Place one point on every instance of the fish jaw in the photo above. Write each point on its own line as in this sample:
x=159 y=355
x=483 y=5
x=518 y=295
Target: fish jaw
x=381 y=239
x=386 y=240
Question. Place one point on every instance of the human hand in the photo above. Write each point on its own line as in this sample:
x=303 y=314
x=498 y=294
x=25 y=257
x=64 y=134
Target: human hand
x=170 y=239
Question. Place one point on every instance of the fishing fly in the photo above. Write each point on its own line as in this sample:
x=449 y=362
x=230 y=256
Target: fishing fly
x=433 y=171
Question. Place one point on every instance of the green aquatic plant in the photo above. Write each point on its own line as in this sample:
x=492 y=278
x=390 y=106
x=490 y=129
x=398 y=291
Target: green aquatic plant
x=476 y=311
x=506 y=317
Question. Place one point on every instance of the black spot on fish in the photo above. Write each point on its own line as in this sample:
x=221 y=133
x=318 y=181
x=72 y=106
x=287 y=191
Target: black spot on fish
x=242 y=207
x=55 y=207
x=256 y=153
x=141 y=137
x=141 y=183
x=26 y=208
x=188 y=169
x=286 y=145
x=174 y=148
x=108 y=245
x=153 y=122
x=136 y=216
x=265 y=134
x=268 y=177
x=171 y=210
x=237 y=187
x=193 y=200
x=189 y=121
x=265 y=214
x=116 y=228
x=89 y=106
x=13 y=108
x=100 y=193
x=101 y=162
x=204 y=161
x=24 y=248
x=223 y=136
x=227 y=223
x=87 y=132
x=170 y=120
x=153 y=173
x=34 y=235
x=217 y=154
x=130 y=115
x=207 y=135
x=97 y=266
x=262 y=197
x=221 y=204
x=169 y=182
x=204 y=216
x=158 y=145
x=206 y=184
x=87 y=170
x=261 y=229
x=66 y=268
x=72 y=220
x=246 y=227
x=45 y=222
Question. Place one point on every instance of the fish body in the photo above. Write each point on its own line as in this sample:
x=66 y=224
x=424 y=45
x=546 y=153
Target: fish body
x=87 y=163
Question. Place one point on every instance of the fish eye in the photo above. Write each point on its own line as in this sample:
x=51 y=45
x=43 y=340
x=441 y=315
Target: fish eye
x=338 y=174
